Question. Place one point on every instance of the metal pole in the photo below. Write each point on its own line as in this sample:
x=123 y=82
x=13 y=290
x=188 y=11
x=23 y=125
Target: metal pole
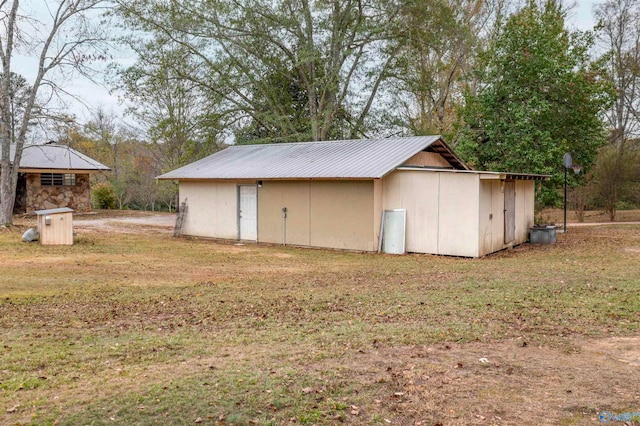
x=284 y=226
x=565 y=200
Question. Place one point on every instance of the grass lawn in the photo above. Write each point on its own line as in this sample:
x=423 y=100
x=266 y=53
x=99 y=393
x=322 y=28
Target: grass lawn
x=125 y=329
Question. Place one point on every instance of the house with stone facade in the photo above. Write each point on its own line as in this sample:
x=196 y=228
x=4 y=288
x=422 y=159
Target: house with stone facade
x=53 y=176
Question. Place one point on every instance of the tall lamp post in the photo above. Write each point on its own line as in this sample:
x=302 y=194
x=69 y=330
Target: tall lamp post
x=567 y=162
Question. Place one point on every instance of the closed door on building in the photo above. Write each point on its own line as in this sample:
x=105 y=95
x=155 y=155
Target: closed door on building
x=248 y=212
x=509 y=211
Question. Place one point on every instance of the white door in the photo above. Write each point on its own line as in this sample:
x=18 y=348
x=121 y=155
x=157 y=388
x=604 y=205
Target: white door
x=248 y=212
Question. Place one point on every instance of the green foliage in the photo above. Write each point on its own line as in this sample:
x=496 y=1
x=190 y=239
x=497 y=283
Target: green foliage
x=266 y=127
x=103 y=196
x=539 y=96
x=177 y=117
x=273 y=70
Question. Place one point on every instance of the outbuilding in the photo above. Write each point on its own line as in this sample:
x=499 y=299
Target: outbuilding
x=54 y=176
x=55 y=226
x=335 y=195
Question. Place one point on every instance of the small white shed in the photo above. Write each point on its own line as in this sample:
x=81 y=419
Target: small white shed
x=55 y=226
x=333 y=194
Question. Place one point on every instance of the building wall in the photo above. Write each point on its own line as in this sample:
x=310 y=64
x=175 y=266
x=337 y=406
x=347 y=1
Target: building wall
x=428 y=159
x=378 y=206
x=459 y=202
x=76 y=197
x=492 y=214
x=212 y=209
x=448 y=213
x=272 y=197
x=332 y=214
x=525 y=208
x=441 y=210
x=342 y=215
x=417 y=192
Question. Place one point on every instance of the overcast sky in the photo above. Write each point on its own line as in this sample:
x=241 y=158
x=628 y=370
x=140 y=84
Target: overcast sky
x=95 y=95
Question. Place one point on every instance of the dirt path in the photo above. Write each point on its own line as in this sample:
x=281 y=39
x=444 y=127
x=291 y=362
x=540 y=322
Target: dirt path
x=135 y=224
x=570 y=224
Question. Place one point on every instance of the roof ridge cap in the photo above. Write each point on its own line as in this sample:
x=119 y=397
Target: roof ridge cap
x=333 y=141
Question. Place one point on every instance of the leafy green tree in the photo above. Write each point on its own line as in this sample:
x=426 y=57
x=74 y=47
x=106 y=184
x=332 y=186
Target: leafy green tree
x=292 y=101
x=172 y=112
x=336 y=54
x=539 y=96
x=102 y=196
x=291 y=98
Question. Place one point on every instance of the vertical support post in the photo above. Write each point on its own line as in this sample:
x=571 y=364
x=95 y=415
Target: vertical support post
x=565 y=200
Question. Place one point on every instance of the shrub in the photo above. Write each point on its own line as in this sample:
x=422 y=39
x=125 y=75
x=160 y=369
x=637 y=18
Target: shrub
x=102 y=196
x=579 y=198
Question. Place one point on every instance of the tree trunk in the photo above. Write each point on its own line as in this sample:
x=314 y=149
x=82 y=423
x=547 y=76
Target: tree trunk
x=8 y=198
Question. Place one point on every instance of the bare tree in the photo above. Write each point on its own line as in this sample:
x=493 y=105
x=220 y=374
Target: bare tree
x=108 y=133
x=65 y=37
x=620 y=36
x=442 y=38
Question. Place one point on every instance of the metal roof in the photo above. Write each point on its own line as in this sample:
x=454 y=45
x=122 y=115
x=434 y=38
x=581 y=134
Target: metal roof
x=344 y=159
x=54 y=211
x=56 y=157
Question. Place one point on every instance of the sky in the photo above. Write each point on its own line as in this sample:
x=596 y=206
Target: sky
x=98 y=95
x=582 y=14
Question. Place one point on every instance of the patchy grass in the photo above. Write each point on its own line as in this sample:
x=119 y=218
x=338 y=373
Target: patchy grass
x=147 y=329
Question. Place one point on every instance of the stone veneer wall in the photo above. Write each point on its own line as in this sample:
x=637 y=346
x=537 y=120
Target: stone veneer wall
x=76 y=197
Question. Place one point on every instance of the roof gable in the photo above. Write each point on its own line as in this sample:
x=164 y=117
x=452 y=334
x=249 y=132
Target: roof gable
x=344 y=159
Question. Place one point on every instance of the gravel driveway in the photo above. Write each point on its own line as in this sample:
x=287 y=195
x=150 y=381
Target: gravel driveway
x=155 y=222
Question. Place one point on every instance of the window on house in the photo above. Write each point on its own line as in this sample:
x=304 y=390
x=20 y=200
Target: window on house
x=57 y=179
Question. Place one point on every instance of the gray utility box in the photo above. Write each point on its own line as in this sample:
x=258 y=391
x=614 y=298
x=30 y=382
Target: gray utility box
x=542 y=234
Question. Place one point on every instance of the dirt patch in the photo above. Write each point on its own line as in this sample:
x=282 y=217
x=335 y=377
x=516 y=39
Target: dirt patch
x=154 y=223
x=510 y=382
x=282 y=255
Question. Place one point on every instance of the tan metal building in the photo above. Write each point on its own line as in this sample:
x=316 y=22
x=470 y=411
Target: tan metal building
x=334 y=195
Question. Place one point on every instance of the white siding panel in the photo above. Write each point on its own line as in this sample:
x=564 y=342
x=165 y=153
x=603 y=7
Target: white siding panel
x=212 y=209
x=417 y=192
